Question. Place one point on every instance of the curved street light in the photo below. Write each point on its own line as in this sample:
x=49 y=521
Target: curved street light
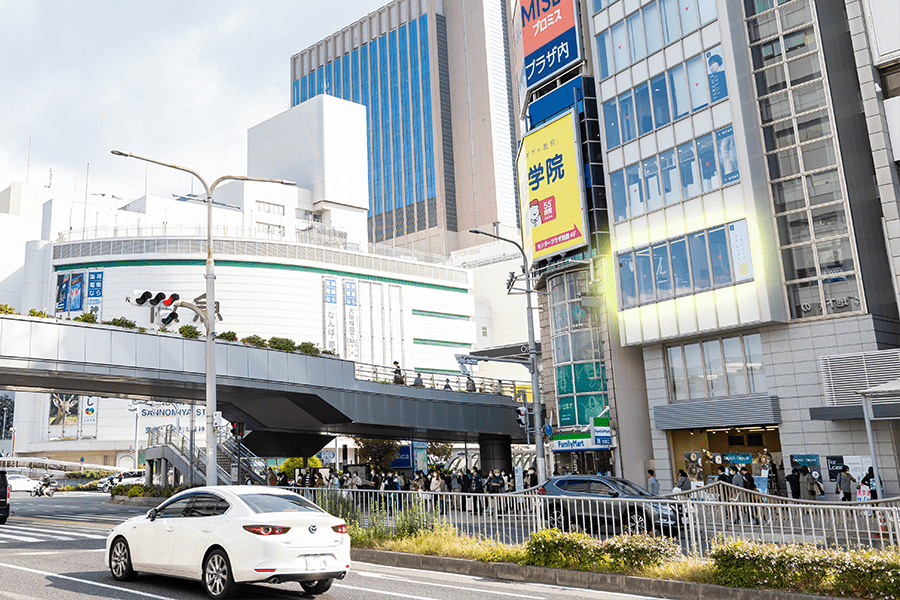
x=211 y=441
x=532 y=359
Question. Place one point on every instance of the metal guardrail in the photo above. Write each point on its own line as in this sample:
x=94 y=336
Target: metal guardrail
x=694 y=524
x=437 y=380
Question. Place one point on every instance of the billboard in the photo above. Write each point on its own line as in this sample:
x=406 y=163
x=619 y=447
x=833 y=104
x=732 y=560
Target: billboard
x=549 y=38
x=551 y=189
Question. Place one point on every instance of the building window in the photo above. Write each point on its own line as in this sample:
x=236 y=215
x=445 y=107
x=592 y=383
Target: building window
x=270 y=230
x=717 y=368
x=700 y=166
x=706 y=259
x=817 y=254
x=579 y=371
x=268 y=207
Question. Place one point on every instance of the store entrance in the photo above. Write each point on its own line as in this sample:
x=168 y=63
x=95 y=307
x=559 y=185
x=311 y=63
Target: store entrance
x=700 y=452
x=584 y=462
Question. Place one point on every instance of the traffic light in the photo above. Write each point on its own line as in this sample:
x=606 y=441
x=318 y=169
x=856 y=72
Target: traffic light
x=511 y=280
x=154 y=298
x=522 y=416
x=167 y=320
x=237 y=428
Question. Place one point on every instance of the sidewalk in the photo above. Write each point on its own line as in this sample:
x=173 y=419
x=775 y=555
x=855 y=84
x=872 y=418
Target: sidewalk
x=658 y=588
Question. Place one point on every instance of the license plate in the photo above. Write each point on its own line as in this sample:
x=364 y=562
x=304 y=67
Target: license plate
x=316 y=563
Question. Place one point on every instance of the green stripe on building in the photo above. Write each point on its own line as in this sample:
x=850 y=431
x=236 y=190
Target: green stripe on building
x=438 y=315
x=423 y=342
x=190 y=262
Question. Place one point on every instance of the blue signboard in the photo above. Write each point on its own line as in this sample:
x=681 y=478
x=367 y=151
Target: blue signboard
x=404 y=458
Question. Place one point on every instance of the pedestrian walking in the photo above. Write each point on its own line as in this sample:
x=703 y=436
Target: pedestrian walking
x=447 y=385
x=470 y=384
x=652 y=483
x=869 y=481
x=398 y=373
x=682 y=484
x=793 y=481
x=845 y=483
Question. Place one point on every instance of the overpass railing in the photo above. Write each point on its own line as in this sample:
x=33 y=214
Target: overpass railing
x=168 y=435
x=440 y=380
x=693 y=523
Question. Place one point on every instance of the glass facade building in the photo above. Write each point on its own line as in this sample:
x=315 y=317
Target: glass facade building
x=402 y=63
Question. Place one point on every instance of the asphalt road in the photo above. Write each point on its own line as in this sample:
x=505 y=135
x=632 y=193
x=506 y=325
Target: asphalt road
x=52 y=548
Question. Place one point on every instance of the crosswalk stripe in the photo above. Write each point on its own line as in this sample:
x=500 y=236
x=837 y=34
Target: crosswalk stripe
x=32 y=530
x=20 y=538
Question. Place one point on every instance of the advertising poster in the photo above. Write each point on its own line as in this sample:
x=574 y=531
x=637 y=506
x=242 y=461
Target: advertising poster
x=715 y=73
x=741 y=262
x=808 y=460
x=566 y=413
x=549 y=30
x=590 y=406
x=75 y=296
x=550 y=186
x=727 y=155
x=351 y=321
x=330 y=299
x=63 y=409
x=62 y=292
x=88 y=410
x=420 y=456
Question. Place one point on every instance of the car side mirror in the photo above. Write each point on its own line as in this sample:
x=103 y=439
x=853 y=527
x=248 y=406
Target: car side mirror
x=151 y=514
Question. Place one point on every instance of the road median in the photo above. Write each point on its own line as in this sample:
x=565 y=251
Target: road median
x=607 y=582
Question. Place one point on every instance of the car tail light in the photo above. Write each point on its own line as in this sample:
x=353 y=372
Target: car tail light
x=266 y=529
x=342 y=528
x=542 y=490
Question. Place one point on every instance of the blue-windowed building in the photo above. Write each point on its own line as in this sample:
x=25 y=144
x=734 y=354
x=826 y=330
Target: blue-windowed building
x=440 y=130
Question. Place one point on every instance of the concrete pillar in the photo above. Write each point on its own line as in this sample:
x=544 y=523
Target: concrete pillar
x=163 y=472
x=496 y=453
x=148 y=472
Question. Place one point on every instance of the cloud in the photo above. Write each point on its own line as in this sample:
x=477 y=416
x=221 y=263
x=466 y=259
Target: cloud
x=178 y=81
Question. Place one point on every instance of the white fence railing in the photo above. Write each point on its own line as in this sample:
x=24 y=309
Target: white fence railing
x=694 y=524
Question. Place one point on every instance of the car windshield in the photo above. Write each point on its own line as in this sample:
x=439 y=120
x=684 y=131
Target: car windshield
x=631 y=489
x=272 y=503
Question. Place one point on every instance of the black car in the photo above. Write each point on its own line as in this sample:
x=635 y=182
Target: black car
x=4 y=498
x=597 y=502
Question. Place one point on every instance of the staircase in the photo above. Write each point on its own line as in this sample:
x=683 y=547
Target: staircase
x=170 y=444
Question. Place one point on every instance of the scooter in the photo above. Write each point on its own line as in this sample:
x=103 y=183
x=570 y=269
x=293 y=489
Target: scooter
x=45 y=487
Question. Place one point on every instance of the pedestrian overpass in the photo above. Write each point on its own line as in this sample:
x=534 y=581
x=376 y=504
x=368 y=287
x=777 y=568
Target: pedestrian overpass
x=293 y=403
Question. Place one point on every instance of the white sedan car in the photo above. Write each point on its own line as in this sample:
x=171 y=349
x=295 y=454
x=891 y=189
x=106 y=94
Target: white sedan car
x=228 y=535
x=20 y=483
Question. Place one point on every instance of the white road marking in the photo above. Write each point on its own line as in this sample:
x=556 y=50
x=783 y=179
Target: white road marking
x=87 y=582
x=455 y=587
x=387 y=593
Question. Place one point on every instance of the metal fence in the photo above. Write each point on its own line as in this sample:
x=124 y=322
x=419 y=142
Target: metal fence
x=438 y=381
x=694 y=521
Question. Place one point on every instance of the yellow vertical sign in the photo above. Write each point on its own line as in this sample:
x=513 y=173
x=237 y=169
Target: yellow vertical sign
x=550 y=189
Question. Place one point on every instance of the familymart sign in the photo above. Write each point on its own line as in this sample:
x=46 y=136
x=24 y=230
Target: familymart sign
x=599 y=437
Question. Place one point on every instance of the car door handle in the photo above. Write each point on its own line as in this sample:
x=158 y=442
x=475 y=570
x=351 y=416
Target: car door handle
x=206 y=529
x=170 y=529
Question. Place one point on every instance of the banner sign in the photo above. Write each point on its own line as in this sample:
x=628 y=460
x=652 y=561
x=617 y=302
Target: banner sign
x=550 y=41
x=351 y=321
x=330 y=299
x=95 y=292
x=601 y=432
x=551 y=189
x=404 y=458
x=88 y=410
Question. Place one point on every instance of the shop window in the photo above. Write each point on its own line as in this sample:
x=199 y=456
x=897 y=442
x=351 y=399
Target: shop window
x=715 y=368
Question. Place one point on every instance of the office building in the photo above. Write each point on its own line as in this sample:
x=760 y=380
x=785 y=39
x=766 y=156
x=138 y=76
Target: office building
x=435 y=79
x=752 y=184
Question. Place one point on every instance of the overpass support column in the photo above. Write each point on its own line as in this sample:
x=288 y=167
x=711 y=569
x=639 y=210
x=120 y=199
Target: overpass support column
x=148 y=473
x=496 y=453
x=163 y=472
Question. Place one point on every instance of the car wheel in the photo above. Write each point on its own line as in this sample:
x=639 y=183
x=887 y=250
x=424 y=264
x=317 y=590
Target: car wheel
x=558 y=519
x=316 y=587
x=120 y=560
x=637 y=521
x=217 y=578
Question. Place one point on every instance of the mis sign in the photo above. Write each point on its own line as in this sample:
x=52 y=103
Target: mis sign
x=550 y=189
x=549 y=38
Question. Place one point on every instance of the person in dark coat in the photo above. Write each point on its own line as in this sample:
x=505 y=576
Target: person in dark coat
x=794 y=483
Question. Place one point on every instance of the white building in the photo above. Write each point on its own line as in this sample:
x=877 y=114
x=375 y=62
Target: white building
x=291 y=261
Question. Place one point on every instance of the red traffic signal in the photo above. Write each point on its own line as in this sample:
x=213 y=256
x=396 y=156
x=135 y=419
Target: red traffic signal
x=237 y=428
x=154 y=298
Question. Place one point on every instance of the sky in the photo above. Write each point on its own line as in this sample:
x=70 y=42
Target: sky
x=178 y=81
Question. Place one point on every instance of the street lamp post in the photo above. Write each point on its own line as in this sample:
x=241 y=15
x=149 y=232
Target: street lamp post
x=532 y=359
x=211 y=441
x=133 y=408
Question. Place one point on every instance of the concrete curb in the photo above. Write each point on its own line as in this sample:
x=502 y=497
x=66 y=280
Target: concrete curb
x=607 y=582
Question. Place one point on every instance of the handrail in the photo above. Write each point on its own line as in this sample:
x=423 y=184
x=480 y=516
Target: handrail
x=721 y=490
x=437 y=380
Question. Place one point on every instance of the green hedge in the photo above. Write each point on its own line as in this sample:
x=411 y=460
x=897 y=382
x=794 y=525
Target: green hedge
x=804 y=568
x=152 y=491
x=620 y=554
